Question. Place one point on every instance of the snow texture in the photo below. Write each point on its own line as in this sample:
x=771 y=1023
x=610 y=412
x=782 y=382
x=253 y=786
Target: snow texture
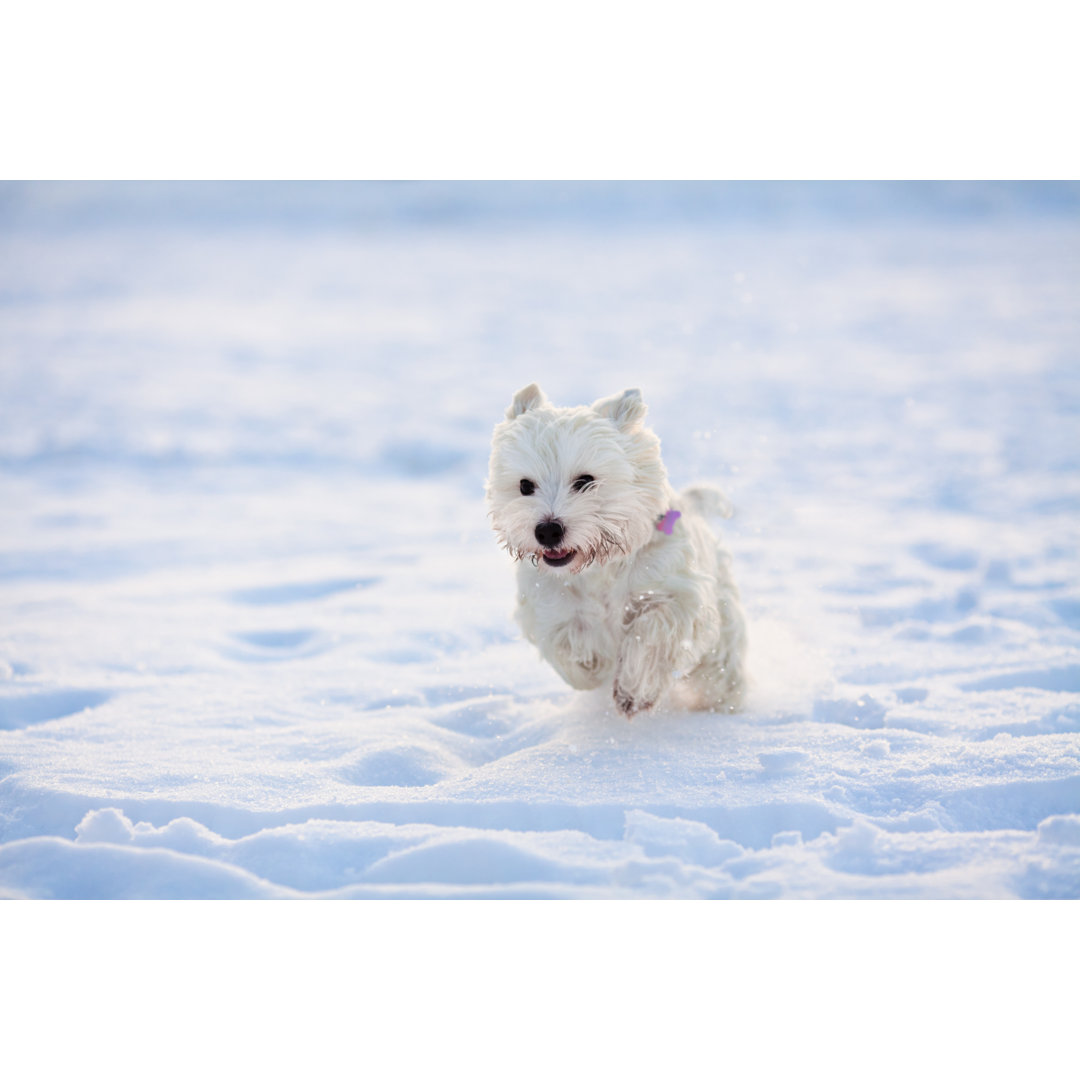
x=255 y=630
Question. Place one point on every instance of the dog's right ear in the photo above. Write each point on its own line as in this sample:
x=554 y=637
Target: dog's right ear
x=626 y=409
x=532 y=397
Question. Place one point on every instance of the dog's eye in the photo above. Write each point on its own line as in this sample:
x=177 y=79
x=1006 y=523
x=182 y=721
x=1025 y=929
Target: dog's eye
x=583 y=482
x=527 y=487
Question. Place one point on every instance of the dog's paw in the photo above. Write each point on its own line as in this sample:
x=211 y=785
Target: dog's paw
x=589 y=664
x=627 y=704
x=584 y=673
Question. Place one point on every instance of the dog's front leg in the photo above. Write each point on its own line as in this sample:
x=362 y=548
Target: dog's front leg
x=653 y=633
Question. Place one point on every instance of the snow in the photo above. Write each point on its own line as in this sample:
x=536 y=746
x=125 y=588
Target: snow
x=256 y=635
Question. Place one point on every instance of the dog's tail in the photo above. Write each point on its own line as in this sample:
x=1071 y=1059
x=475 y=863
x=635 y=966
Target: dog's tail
x=708 y=500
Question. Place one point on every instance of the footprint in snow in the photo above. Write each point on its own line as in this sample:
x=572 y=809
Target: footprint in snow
x=296 y=592
x=407 y=766
x=864 y=712
x=261 y=646
x=26 y=710
x=945 y=557
x=1063 y=679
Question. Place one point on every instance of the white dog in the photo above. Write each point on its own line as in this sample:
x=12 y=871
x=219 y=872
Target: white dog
x=621 y=581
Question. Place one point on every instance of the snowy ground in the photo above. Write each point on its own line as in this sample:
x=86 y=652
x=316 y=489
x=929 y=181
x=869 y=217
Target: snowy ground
x=255 y=632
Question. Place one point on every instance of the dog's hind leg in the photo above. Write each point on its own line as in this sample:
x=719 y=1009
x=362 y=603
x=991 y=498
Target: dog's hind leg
x=718 y=682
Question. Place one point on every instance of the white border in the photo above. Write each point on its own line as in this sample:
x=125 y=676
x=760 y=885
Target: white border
x=539 y=989
x=587 y=90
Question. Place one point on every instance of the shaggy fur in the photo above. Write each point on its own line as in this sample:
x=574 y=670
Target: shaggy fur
x=574 y=495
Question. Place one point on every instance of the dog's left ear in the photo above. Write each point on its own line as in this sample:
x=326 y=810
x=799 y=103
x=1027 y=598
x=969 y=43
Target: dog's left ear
x=530 y=398
x=626 y=409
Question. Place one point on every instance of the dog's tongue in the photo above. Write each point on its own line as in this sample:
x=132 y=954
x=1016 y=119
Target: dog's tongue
x=561 y=554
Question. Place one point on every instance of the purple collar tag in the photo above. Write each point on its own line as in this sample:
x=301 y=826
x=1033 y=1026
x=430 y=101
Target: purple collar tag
x=667 y=522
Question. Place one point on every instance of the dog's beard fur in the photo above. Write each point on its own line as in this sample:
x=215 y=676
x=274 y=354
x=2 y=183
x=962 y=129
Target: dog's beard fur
x=552 y=448
x=607 y=545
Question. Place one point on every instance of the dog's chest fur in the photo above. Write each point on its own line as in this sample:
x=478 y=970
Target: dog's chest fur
x=579 y=622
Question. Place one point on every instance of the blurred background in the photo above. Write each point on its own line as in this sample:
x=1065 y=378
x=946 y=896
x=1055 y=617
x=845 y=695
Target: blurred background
x=853 y=341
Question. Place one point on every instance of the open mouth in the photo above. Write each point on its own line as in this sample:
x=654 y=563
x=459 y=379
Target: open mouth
x=558 y=558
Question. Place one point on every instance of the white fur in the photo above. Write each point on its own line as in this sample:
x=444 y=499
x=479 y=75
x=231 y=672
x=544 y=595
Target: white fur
x=649 y=614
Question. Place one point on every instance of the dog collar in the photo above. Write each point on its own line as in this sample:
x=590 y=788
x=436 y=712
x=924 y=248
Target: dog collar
x=667 y=521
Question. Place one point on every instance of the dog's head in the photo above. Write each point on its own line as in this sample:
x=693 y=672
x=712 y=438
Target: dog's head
x=568 y=488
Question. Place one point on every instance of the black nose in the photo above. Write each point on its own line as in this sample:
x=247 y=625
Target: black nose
x=549 y=533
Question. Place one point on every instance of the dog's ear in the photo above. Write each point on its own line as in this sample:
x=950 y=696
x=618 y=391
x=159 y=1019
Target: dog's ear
x=626 y=409
x=532 y=397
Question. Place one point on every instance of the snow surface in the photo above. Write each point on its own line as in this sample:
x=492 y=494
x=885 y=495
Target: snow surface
x=255 y=632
